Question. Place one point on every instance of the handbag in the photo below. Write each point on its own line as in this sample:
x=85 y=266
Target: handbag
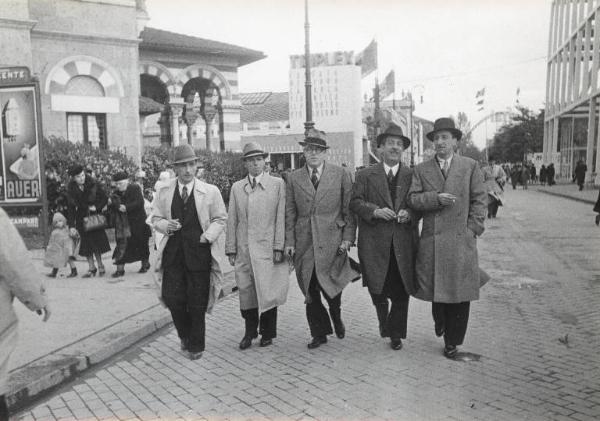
x=94 y=222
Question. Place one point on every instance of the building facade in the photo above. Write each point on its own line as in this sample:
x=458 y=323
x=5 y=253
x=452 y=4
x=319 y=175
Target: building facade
x=95 y=59
x=571 y=130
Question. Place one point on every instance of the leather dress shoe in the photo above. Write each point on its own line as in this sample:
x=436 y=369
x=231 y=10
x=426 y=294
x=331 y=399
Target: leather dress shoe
x=450 y=351
x=266 y=341
x=144 y=268
x=246 y=342
x=194 y=355
x=396 y=344
x=317 y=341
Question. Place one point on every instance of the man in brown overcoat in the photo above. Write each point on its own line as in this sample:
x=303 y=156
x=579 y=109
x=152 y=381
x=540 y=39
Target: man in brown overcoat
x=449 y=191
x=387 y=234
x=319 y=232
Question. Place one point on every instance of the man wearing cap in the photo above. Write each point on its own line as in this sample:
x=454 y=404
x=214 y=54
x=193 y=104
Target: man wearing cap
x=192 y=215
x=319 y=233
x=387 y=234
x=254 y=245
x=450 y=192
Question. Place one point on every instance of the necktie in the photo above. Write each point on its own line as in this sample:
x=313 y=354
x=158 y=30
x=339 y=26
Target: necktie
x=253 y=183
x=314 y=178
x=391 y=185
x=445 y=168
x=184 y=194
x=390 y=177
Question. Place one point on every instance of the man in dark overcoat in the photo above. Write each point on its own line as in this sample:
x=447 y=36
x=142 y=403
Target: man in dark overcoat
x=192 y=216
x=319 y=231
x=449 y=191
x=387 y=234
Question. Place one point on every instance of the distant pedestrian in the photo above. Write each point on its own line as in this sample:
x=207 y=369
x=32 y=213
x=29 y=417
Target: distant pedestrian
x=533 y=171
x=597 y=209
x=319 y=232
x=128 y=201
x=543 y=172
x=550 y=173
x=255 y=244
x=580 y=170
x=450 y=193
x=87 y=197
x=18 y=278
x=525 y=175
x=192 y=216
x=387 y=234
x=515 y=175
x=494 y=191
x=61 y=247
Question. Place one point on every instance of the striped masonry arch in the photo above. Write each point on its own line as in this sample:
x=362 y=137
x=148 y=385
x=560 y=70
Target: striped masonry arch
x=205 y=72
x=162 y=73
x=68 y=68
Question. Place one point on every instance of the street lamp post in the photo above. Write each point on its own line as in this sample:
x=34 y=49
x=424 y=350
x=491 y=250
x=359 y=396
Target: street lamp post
x=308 y=124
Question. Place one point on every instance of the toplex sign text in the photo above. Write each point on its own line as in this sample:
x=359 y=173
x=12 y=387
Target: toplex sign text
x=334 y=58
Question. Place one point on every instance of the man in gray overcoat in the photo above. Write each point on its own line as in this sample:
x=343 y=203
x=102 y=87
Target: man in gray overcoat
x=319 y=232
x=254 y=245
x=387 y=234
x=450 y=193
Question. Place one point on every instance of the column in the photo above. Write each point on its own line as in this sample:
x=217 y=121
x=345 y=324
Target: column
x=591 y=137
x=176 y=111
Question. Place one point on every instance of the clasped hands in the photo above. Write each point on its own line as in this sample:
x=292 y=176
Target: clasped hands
x=402 y=217
x=343 y=248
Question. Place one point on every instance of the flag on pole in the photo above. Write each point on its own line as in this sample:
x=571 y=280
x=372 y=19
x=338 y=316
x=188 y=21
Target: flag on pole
x=388 y=86
x=479 y=99
x=367 y=59
x=517 y=95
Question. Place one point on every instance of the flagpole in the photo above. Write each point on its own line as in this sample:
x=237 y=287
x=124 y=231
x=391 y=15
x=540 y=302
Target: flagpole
x=308 y=124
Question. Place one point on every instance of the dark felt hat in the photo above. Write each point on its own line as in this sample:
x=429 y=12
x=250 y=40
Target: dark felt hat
x=444 y=124
x=393 y=130
x=182 y=154
x=121 y=175
x=253 y=149
x=75 y=170
x=315 y=138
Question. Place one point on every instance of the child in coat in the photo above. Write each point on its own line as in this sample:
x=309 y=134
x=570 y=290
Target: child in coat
x=61 y=247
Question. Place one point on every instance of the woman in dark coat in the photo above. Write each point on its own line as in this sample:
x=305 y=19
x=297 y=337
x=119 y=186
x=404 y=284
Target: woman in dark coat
x=550 y=173
x=85 y=197
x=129 y=200
x=543 y=175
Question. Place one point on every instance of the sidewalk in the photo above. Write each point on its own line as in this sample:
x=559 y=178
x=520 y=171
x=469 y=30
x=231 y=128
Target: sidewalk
x=569 y=191
x=92 y=320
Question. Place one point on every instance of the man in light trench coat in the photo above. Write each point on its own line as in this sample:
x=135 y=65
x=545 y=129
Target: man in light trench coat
x=319 y=233
x=254 y=245
x=449 y=191
x=387 y=234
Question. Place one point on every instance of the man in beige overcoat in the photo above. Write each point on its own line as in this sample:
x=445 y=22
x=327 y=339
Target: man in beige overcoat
x=449 y=191
x=319 y=233
x=254 y=245
x=18 y=278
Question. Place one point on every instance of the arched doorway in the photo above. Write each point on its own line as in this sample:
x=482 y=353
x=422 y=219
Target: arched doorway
x=203 y=113
x=154 y=91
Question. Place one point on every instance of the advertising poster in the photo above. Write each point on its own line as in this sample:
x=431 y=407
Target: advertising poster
x=20 y=178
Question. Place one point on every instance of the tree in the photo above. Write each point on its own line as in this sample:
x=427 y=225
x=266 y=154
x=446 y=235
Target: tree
x=523 y=135
x=466 y=147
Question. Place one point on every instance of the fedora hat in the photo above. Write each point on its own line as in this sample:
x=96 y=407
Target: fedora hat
x=393 y=130
x=315 y=137
x=444 y=124
x=252 y=149
x=182 y=154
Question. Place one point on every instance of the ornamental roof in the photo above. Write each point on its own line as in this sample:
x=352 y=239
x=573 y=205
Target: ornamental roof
x=158 y=39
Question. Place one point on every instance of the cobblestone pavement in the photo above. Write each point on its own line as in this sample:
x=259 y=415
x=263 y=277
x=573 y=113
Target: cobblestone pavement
x=536 y=328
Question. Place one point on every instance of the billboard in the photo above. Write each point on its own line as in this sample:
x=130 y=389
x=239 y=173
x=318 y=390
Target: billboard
x=20 y=175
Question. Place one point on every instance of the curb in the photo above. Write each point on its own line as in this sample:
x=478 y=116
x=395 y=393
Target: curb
x=566 y=196
x=40 y=376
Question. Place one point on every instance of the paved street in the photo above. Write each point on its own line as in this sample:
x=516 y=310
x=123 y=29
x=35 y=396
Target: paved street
x=536 y=328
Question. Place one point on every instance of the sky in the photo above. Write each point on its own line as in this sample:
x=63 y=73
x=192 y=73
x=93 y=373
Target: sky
x=445 y=49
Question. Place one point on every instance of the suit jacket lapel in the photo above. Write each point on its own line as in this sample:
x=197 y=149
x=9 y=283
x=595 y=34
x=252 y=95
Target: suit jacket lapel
x=169 y=199
x=403 y=181
x=325 y=182
x=305 y=183
x=381 y=183
x=434 y=174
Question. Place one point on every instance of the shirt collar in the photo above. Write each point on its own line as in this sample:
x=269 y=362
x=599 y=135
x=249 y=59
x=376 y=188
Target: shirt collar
x=258 y=178
x=190 y=187
x=441 y=161
x=319 y=170
x=394 y=169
